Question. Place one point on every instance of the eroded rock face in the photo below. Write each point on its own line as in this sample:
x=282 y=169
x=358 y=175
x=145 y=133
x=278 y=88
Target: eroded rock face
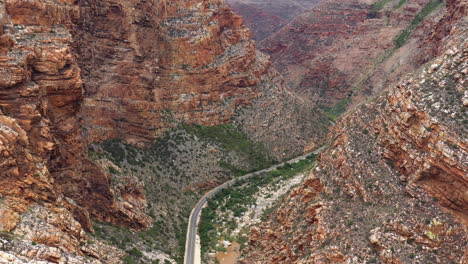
x=149 y=64
x=265 y=17
x=392 y=186
x=76 y=72
x=43 y=154
x=337 y=51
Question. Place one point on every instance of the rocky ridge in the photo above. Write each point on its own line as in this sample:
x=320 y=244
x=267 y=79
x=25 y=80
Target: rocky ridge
x=391 y=186
x=338 y=53
x=73 y=73
x=265 y=17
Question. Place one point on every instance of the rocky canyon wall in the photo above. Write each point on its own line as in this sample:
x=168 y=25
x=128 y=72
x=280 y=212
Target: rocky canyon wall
x=391 y=186
x=148 y=65
x=336 y=52
x=49 y=188
x=265 y=17
x=72 y=73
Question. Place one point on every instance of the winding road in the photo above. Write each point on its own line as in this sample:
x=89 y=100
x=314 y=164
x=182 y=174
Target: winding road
x=192 y=254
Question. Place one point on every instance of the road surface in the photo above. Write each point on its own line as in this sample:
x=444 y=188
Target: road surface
x=191 y=254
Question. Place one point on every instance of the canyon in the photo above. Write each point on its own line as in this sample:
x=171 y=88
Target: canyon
x=391 y=185
x=116 y=116
x=338 y=53
x=77 y=75
x=383 y=192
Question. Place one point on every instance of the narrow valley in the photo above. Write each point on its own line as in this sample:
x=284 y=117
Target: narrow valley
x=233 y=131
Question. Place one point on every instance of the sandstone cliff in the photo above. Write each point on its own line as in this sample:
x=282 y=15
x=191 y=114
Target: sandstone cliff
x=77 y=72
x=150 y=65
x=49 y=188
x=391 y=186
x=340 y=52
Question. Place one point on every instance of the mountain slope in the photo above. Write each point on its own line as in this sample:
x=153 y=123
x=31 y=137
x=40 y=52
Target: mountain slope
x=93 y=96
x=391 y=185
x=338 y=53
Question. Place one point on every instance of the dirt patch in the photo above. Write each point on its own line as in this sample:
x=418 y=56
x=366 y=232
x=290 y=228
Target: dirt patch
x=231 y=256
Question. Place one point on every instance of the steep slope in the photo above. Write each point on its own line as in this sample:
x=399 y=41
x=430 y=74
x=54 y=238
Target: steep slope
x=87 y=88
x=150 y=65
x=162 y=71
x=391 y=186
x=265 y=17
x=338 y=53
x=147 y=63
x=48 y=186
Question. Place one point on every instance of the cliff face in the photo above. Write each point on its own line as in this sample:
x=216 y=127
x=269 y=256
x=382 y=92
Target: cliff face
x=150 y=65
x=391 y=186
x=48 y=186
x=338 y=51
x=265 y=17
x=72 y=73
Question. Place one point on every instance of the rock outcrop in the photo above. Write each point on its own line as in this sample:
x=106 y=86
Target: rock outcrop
x=147 y=65
x=77 y=72
x=344 y=51
x=48 y=186
x=150 y=65
x=265 y=17
x=391 y=186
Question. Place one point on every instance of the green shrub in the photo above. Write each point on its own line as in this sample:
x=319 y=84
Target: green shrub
x=335 y=111
x=376 y=7
x=129 y=260
x=402 y=38
x=135 y=252
x=401 y=3
x=232 y=139
x=112 y=170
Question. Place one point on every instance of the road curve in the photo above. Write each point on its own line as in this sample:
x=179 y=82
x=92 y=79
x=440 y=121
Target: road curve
x=190 y=244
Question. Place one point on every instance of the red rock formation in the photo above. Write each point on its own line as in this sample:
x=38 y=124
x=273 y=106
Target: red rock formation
x=393 y=175
x=266 y=17
x=336 y=49
x=44 y=157
x=76 y=72
x=147 y=65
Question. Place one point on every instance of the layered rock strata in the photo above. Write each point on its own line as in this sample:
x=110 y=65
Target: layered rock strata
x=391 y=186
x=341 y=51
x=77 y=72
x=150 y=65
x=265 y=17
x=48 y=186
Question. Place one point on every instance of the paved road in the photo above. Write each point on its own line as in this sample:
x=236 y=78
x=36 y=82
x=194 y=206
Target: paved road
x=190 y=244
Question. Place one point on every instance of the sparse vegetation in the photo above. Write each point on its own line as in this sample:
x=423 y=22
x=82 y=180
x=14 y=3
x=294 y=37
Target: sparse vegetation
x=236 y=199
x=377 y=6
x=402 y=38
x=112 y=170
x=179 y=157
x=232 y=139
x=335 y=111
x=135 y=252
x=401 y=3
